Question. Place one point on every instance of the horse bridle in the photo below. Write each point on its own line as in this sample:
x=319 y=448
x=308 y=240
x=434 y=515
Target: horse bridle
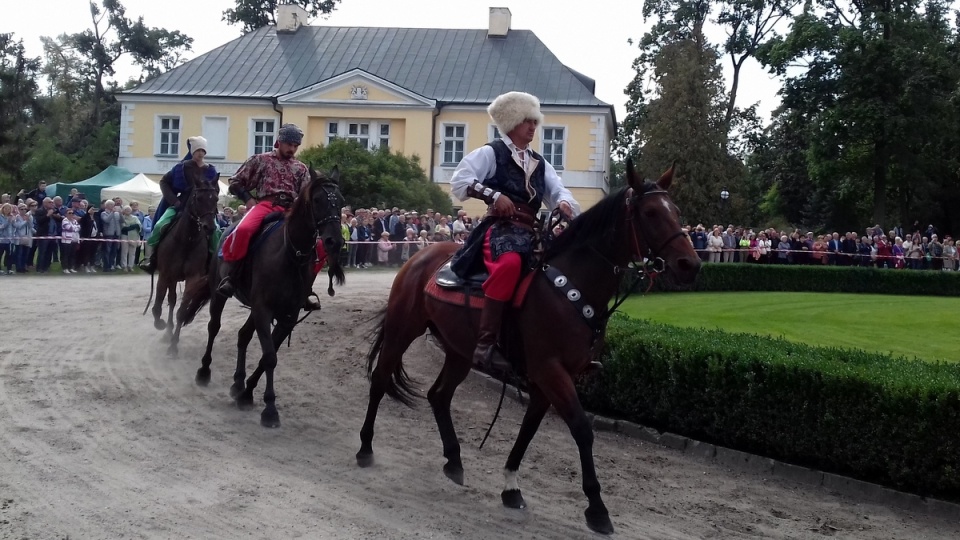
x=653 y=264
x=193 y=215
x=334 y=215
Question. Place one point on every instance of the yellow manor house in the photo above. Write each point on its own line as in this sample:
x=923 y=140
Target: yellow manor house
x=419 y=91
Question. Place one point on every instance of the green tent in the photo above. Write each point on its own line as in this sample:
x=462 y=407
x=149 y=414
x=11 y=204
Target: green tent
x=91 y=187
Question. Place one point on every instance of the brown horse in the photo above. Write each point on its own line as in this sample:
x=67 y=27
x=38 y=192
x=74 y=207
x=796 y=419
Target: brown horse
x=278 y=277
x=552 y=335
x=184 y=252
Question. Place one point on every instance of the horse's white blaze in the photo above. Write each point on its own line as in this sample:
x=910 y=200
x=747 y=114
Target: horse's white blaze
x=665 y=203
x=510 y=480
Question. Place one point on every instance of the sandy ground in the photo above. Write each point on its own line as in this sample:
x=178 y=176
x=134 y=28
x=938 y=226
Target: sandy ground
x=106 y=437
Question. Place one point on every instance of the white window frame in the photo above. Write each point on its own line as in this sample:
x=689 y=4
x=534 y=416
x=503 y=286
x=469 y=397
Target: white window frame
x=226 y=143
x=159 y=131
x=562 y=141
x=343 y=127
x=358 y=136
x=381 y=137
x=252 y=133
x=493 y=132
x=444 y=139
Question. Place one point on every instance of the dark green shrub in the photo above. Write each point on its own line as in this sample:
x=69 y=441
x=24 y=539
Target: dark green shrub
x=881 y=419
x=786 y=278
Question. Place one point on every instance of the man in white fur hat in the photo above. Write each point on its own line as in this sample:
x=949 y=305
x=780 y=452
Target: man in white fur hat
x=514 y=181
x=175 y=187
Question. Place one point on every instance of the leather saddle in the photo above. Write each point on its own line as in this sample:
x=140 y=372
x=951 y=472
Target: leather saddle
x=446 y=278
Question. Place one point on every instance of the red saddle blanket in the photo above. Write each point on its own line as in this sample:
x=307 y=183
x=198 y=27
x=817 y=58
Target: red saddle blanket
x=459 y=297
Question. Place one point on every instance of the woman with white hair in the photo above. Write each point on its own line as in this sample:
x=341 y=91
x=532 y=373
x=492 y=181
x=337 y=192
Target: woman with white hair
x=130 y=239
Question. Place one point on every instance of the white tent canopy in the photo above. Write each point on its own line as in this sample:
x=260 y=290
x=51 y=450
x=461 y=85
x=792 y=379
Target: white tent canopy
x=140 y=188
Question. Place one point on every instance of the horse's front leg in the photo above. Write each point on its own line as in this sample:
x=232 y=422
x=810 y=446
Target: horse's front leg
x=237 y=391
x=171 y=306
x=511 y=496
x=217 y=302
x=270 y=417
x=157 y=309
x=559 y=389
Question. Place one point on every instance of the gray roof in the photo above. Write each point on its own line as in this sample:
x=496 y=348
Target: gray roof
x=459 y=66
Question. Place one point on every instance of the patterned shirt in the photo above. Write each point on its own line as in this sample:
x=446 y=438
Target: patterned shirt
x=269 y=175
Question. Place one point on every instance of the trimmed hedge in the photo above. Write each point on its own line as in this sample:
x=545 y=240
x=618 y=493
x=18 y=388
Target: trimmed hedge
x=718 y=277
x=886 y=420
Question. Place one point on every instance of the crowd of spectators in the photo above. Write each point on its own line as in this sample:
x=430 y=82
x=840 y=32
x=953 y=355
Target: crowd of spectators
x=917 y=249
x=389 y=237
x=36 y=231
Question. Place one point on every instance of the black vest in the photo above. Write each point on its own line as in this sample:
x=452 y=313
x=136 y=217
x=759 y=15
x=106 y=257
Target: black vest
x=510 y=180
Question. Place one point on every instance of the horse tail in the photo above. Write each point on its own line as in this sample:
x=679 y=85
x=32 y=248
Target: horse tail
x=150 y=299
x=399 y=385
x=196 y=296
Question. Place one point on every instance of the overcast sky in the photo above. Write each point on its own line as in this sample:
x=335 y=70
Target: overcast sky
x=590 y=37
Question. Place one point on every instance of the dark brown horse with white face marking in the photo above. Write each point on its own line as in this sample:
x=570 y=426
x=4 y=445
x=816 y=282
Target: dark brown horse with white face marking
x=279 y=277
x=184 y=252
x=590 y=257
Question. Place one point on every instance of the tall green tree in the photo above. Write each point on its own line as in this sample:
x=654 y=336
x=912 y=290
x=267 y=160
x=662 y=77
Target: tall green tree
x=876 y=91
x=253 y=14
x=18 y=90
x=111 y=35
x=368 y=178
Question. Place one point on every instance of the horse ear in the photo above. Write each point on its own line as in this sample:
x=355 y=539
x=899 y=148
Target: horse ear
x=632 y=179
x=335 y=174
x=667 y=178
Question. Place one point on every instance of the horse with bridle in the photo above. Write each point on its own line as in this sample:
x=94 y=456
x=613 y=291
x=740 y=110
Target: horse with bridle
x=277 y=276
x=580 y=272
x=184 y=252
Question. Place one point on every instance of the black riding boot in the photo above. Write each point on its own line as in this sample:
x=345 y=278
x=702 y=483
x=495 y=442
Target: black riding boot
x=149 y=265
x=226 y=286
x=490 y=322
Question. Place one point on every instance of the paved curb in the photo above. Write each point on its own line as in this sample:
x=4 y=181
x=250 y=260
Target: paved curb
x=736 y=459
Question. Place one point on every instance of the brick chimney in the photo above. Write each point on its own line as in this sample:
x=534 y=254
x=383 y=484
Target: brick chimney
x=499 y=22
x=290 y=17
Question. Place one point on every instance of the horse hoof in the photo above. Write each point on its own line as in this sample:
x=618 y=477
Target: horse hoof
x=173 y=351
x=364 y=459
x=513 y=499
x=203 y=377
x=599 y=522
x=454 y=472
x=270 y=419
x=159 y=325
x=244 y=402
x=236 y=390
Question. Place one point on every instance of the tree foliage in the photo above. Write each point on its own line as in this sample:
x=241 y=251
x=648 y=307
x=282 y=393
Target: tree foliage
x=18 y=107
x=70 y=129
x=379 y=177
x=253 y=14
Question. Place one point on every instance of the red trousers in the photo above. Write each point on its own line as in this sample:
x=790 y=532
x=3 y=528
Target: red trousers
x=504 y=273
x=238 y=242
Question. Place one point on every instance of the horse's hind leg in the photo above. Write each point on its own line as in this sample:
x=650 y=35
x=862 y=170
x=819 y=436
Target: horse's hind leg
x=455 y=370
x=559 y=389
x=511 y=496
x=396 y=339
x=243 y=340
x=217 y=301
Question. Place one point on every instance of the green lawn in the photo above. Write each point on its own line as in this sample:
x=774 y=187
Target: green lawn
x=913 y=326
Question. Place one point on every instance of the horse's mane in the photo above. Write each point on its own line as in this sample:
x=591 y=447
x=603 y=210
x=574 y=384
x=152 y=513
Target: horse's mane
x=596 y=225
